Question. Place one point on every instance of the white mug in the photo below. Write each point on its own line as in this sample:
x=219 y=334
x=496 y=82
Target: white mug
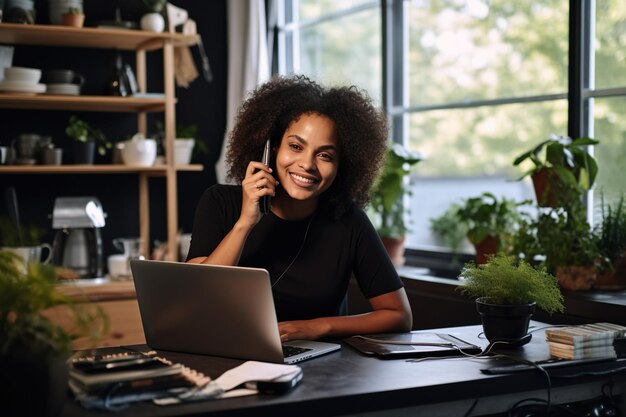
x=31 y=253
x=118 y=266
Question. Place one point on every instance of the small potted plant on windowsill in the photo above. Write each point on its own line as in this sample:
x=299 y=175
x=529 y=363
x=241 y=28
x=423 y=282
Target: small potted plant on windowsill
x=450 y=228
x=562 y=169
x=491 y=223
x=610 y=236
x=74 y=17
x=86 y=140
x=561 y=238
x=507 y=291
x=386 y=209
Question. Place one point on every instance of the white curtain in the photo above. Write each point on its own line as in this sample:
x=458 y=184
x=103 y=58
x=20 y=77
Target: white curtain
x=248 y=63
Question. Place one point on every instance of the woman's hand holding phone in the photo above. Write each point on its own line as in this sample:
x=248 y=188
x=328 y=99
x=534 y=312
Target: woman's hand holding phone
x=258 y=183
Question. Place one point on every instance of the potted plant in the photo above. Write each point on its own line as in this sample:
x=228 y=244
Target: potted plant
x=33 y=350
x=387 y=209
x=450 y=228
x=74 y=17
x=610 y=235
x=507 y=291
x=563 y=240
x=153 y=21
x=562 y=169
x=491 y=223
x=86 y=140
x=187 y=144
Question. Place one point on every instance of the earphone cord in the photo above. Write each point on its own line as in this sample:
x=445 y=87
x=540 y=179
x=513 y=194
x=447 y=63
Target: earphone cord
x=306 y=232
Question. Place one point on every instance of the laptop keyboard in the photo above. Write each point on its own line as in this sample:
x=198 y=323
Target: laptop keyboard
x=293 y=350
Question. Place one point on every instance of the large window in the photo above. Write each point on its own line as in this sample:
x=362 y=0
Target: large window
x=472 y=83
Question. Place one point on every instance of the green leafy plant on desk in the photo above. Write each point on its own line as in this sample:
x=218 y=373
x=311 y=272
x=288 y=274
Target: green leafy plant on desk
x=32 y=347
x=507 y=290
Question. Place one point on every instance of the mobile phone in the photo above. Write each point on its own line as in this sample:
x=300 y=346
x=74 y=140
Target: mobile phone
x=277 y=386
x=264 y=203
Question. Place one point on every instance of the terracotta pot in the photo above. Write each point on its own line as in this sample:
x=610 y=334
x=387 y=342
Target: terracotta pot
x=576 y=278
x=613 y=279
x=395 y=249
x=76 y=20
x=487 y=247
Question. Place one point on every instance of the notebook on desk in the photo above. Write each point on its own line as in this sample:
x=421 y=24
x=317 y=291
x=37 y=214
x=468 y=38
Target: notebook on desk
x=416 y=344
x=214 y=310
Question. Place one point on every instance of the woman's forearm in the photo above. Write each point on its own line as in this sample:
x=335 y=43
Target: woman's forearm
x=391 y=314
x=229 y=250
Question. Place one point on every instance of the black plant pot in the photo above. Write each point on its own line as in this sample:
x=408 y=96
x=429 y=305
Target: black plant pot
x=32 y=386
x=84 y=152
x=507 y=324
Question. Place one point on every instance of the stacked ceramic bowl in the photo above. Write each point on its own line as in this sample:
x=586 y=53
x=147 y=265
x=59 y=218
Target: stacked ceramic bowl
x=63 y=82
x=22 y=80
x=20 y=11
x=58 y=8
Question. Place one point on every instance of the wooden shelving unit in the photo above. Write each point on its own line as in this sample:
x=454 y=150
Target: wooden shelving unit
x=81 y=103
x=121 y=39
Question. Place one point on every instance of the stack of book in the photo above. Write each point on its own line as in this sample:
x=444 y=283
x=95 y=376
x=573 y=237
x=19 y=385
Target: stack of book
x=99 y=382
x=587 y=341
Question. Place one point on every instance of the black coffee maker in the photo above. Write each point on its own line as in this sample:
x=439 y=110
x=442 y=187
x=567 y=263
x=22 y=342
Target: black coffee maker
x=77 y=243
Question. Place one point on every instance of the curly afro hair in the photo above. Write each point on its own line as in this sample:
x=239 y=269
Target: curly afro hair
x=361 y=132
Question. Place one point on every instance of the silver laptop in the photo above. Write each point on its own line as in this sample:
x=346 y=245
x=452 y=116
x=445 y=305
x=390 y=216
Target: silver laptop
x=214 y=310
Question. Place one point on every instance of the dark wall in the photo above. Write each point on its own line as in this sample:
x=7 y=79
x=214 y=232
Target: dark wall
x=202 y=103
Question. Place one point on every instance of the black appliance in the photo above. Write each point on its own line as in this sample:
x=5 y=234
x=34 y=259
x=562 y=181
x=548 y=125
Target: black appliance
x=77 y=242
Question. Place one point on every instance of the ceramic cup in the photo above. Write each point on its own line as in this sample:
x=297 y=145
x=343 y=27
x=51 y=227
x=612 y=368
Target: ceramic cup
x=26 y=145
x=52 y=156
x=31 y=253
x=3 y=155
x=63 y=76
x=118 y=266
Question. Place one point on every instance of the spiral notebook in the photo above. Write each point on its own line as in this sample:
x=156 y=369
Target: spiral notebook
x=411 y=345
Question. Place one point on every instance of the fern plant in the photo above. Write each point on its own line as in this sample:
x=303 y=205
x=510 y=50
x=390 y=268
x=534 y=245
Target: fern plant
x=24 y=295
x=506 y=280
x=611 y=232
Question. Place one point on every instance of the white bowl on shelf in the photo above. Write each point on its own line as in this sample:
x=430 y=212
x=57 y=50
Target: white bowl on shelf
x=22 y=75
x=139 y=152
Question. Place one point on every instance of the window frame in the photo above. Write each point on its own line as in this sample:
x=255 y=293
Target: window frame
x=580 y=92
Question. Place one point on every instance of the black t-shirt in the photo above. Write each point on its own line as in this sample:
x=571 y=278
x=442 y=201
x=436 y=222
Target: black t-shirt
x=316 y=283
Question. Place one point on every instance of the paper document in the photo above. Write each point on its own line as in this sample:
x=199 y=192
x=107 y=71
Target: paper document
x=254 y=371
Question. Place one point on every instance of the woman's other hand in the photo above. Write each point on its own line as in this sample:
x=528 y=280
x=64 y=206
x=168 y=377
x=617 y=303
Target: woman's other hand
x=302 y=329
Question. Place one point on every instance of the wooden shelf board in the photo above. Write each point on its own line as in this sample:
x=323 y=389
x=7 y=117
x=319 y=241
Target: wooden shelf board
x=108 y=38
x=93 y=169
x=80 y=103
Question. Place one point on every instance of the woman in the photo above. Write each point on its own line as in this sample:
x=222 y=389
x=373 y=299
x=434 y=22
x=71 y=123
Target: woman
x=327 y=146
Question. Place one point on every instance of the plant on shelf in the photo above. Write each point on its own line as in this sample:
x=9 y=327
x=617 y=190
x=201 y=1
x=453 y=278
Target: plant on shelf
x=74 y=16
x=154 y=6
x=491 y=223
x=32 y=347
x=387 y=209
x=450 y=228
x=507 y=289
x=562 y=169
x=86 y=137
x=183 y=132
x=610 y=236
